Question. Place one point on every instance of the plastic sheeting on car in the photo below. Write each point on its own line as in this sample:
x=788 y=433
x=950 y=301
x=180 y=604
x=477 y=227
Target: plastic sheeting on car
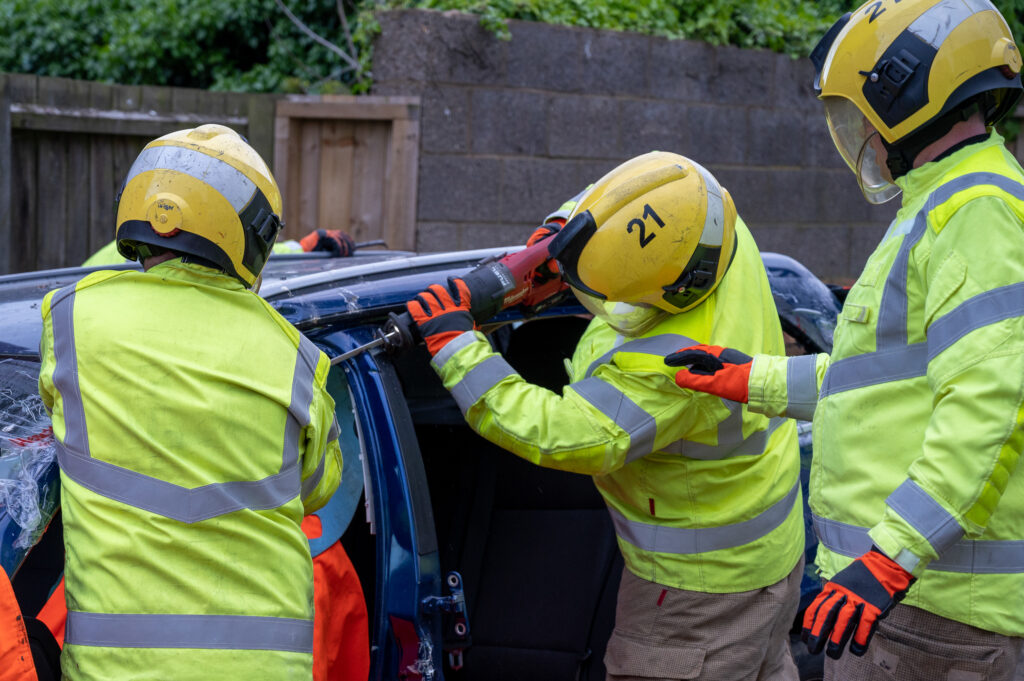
x=29 y=479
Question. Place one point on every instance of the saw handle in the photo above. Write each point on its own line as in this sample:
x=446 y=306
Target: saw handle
x=493 y=287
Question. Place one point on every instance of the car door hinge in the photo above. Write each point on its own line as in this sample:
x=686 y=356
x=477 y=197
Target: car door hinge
x=456 y=628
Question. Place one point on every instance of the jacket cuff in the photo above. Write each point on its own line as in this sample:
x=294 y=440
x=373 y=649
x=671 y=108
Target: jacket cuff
x=766 y=393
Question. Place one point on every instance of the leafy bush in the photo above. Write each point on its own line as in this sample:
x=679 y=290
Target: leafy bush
x=247 y=45
x=251 y=45
x=791 y=26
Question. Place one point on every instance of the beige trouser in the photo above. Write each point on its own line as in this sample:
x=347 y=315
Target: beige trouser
x=666 y=633
x=915 y=645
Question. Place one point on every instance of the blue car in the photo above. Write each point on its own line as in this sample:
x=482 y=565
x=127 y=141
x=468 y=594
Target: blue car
x=474 y=563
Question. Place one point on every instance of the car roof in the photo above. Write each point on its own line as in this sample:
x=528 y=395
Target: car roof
x=308 y=289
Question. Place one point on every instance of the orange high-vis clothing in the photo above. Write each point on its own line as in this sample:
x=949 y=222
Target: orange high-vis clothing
x=341 y=648
x=15 y=655
x=341 y=632
x=54 y=613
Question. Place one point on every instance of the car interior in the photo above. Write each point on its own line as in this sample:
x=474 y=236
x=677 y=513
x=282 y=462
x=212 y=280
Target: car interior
x=535 y=547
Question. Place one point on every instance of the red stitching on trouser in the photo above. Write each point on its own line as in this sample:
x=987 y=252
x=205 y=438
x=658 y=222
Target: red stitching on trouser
x=661 y=598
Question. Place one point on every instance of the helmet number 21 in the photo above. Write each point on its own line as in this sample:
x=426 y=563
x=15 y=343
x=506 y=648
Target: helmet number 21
x=641 y=225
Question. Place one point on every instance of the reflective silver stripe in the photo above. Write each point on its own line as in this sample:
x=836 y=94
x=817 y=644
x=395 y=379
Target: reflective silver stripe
x=230 y=632
x=65 y=372
x=230 y=183
x=977 y=557
x=801 y=386
x=983 y=309
x=662 y=344
x=479 y=380
x=687 y=540
x=626 y=414
x=714 y=220
x=871 y=368
x=187 y=505
x=935 y=25
x=892 y=314
x=174 y=501
x=453 y=346
x=755 y=445
x=925 y=515
x=846 y=540
x=310 y=483
x=895 y=360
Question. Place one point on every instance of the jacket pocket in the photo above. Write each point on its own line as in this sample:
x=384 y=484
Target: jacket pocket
x=628 y=658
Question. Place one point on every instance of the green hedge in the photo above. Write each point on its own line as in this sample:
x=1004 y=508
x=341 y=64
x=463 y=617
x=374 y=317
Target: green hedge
x=245 y=45
x=250 y=45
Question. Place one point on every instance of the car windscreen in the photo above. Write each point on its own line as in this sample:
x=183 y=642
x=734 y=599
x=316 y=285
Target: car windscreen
x=29 y=479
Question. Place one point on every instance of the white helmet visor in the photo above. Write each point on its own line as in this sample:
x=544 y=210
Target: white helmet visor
x=852 y=134
x=626 y=319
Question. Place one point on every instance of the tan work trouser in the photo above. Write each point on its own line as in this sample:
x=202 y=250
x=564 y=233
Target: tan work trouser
x=666 y=633
x=915 y=645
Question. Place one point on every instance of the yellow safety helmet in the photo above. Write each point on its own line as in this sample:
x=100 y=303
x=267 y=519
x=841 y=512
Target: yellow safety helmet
x=653 y=237
x=203 y=192
x=910 y=70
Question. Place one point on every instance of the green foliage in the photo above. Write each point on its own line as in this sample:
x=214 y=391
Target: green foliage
x=247 y=45
x=251 y=45
x=791 y=26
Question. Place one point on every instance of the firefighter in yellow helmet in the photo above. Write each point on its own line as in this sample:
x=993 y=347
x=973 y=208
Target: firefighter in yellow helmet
x=704 y=496
x=917 y=496
x=194 y=431
x=335 y=242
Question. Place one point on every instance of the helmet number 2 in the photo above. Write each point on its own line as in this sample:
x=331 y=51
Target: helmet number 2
x=641 y=225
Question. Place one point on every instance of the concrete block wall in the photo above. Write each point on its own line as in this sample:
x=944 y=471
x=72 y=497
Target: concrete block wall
x=510 y=129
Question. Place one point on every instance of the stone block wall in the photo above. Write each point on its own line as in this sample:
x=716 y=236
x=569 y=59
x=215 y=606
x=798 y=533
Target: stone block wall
x=510 y=129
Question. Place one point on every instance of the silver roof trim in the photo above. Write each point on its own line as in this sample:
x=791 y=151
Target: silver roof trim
x=288 y=286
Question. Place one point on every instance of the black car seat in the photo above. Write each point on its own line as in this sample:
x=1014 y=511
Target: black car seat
x=535 y=547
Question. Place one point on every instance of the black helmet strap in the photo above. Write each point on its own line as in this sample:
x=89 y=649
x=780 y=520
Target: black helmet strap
x=900 y=159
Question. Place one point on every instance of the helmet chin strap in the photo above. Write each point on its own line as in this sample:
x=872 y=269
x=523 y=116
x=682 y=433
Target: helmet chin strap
x=900 y=156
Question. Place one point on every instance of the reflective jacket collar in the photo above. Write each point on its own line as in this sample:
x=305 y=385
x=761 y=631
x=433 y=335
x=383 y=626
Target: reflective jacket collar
x=921 y=181
x=197 y=274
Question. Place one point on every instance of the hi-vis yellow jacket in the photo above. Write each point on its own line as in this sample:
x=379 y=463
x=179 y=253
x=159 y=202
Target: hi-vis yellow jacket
x=918 y=426
x=194 y=432
x=703 y=495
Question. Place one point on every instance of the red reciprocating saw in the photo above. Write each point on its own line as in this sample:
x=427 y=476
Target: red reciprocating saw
x=525 y=278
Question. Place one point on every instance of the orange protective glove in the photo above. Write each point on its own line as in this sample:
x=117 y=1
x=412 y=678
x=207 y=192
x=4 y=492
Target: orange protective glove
x=713 y=369
x=852 y=602
x=544 y=231
x=549 y=270
x=334 y=241
x=441 y=317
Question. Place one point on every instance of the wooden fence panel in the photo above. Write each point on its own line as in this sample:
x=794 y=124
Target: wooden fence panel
x=101 y=199
x=309 y=176
x=337 y=151
x=23 y=235
x=349 y=163
x=78 y=206
x=65 y=147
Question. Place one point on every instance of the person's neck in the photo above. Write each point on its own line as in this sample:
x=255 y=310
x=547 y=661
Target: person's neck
x=963 y=130
x=155 y=260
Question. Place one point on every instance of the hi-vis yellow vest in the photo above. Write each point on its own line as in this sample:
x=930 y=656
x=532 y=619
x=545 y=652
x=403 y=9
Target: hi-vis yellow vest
x=194 y=432
x=918 y=429
x=703 y=495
